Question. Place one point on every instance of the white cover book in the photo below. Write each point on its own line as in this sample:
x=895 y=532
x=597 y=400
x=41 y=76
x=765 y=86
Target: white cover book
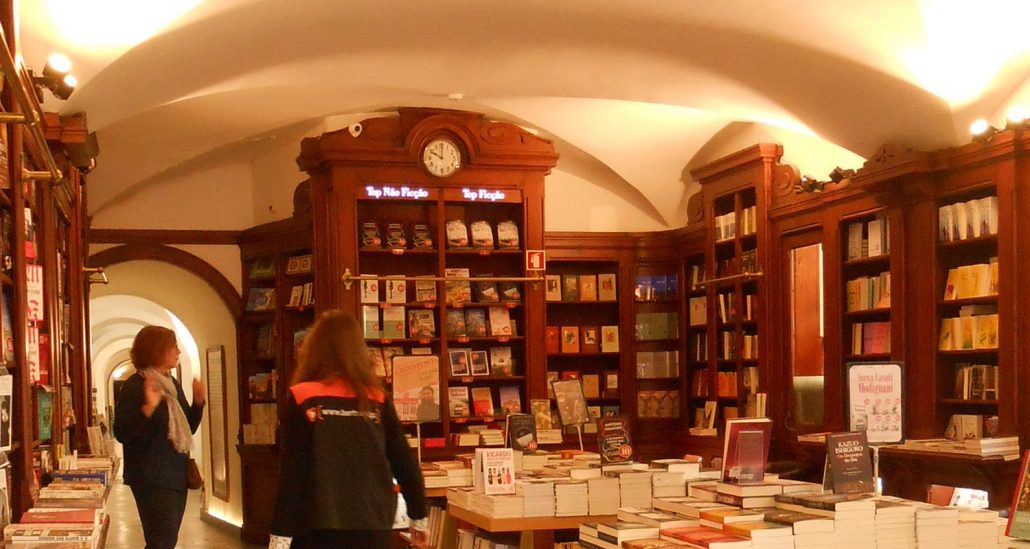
x=500 y=321
x=989 y=209
x=944 y=223
x=975 y=217
x=396 y=289
x=369 y=290
x=393 y=322
x=854 y=241
x=497 y=470
x=875 y=228
x=959 y=221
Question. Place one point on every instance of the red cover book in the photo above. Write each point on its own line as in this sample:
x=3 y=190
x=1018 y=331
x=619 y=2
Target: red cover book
x=59 y=516
x=703 y=536
x=746 y=449
x=551 y=339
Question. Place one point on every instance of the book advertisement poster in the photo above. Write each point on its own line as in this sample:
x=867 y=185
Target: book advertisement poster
x=850 y=465
x=416 y=388
x=498 y=469
x=572 y=407
x=1019 y=513
x=876 y=401
x=613 y=441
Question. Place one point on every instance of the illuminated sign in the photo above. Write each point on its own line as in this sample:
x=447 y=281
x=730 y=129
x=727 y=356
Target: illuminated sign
x=387 y=191
x=483 y=194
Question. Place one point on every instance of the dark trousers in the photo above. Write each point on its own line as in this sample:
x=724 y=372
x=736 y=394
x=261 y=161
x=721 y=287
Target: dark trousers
x=343 y=539
x=160 y=511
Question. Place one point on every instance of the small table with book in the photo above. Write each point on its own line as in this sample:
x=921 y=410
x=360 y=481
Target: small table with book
x=536 y=532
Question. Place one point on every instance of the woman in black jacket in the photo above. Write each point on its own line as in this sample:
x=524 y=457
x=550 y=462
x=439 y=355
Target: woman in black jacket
x=342 y=447
x=155 y=424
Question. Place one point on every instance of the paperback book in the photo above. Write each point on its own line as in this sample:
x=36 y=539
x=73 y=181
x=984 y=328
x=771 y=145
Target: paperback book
x=416 y=388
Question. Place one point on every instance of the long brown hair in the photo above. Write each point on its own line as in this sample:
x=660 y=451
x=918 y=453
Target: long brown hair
x=335 y=349
x=150 y=345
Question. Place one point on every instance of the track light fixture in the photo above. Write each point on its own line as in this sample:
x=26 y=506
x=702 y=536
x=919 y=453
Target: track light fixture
x=809 y=184
x=55 y=78
x=838 y=174
x=982 y=131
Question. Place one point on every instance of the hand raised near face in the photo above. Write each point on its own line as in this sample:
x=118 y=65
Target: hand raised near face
x=151 y=394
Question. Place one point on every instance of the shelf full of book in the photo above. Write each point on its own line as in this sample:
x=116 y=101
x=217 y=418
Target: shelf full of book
x=658 y=344
x=866 y=284
x=582 y=334
x=966 y=283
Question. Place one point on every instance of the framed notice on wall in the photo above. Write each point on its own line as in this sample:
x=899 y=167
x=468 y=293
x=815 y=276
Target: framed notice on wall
x=218 y=434
x=876 y=400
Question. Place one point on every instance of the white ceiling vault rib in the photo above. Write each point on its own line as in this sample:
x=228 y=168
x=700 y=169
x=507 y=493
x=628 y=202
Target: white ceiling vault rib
x=629 y=92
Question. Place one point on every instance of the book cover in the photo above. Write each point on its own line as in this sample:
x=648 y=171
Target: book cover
x=541 y=409
x=572 y=406
x=370 y=320
x=611 y=383
x=475 y=322
x=299 y=264
x=613 y=440
x=498 y=470
x=609 y=339
x=591 y=386
x=457 y=291
x=416 y=388
x=369 y=289
x=501 y=361
x=478 y=363
x=588 y=287
x=521 y=431
x=6 y=329
x=590 y=341
x=570 y=339
x=500 y=321
x=262 y=268
x=375 y=354
x=396 y=290
x=6 y=399
x=458 y=401
x=459 y=361
x=457 y=234
x=509 y=291
x=393 y=323
x=486 y=291
x=482 y=234
x=425 y=291
x=850 y=465
x=606 y=289
x=507 y=235
x=421 y=323
x=1019 y=512
x=511 y=400
x=570 y=287
x=421 y=237
x=551 y=339
x=482 y=402
x=388 y=354
x=456 y=323
x=261 y=299
x=552 y=287
x=746 y=449
x=395 y=235
x=370 y=237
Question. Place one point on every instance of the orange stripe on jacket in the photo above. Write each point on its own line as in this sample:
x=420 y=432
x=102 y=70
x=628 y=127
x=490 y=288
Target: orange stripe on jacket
x=335 y=388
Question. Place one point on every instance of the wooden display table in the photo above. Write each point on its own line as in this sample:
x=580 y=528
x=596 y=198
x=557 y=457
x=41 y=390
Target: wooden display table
x=536 y=532
x=908 y=473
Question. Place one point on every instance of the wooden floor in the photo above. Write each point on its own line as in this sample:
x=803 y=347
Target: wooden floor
x=126 y=533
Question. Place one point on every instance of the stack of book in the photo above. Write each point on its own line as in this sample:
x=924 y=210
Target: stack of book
x=537 y=497
x=618 y=532
x=687 y=506
x=506 y=506
x=634 y=488
x=719 y=517
x=603 y=495
x=491 y=437
x=657 y=519
x=703 y=536
x=763 y=534
x=571 y=498
x=895 y=523
x=976 y=526
x=667 y=484
x=748 y=496
x=810 y=531
x=936 y=526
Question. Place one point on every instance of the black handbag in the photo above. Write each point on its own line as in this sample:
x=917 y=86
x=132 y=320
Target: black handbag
x=194 y=480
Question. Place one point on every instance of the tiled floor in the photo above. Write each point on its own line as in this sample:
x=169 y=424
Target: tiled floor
x=126 y=533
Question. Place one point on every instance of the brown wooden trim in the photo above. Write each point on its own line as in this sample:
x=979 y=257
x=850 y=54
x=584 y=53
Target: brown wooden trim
x=179 y=258
x=737 y=159
x=157 y=236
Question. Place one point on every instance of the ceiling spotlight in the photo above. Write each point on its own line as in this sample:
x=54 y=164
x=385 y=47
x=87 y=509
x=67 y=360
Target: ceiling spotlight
x=982 y=131
x=1016 y=117
x=55 y=78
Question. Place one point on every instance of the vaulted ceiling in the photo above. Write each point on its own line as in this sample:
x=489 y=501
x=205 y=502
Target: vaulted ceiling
x=630 y=90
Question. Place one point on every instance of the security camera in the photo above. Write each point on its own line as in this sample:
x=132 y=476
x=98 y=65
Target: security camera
x=355 y=129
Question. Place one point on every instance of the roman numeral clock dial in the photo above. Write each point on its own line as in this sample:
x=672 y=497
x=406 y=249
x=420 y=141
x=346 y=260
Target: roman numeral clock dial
x=441 y=157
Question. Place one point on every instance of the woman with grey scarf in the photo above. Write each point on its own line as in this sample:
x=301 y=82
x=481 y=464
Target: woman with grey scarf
x=155 y=424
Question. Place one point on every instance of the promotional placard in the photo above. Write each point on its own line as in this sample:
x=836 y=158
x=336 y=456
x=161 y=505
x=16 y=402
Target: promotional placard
x=613 y=441
x=876 y=400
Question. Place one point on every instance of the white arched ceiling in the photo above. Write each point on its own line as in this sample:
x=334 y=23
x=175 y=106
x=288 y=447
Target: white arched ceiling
x=636 y=89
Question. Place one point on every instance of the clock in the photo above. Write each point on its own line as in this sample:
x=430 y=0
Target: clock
x=441 y=157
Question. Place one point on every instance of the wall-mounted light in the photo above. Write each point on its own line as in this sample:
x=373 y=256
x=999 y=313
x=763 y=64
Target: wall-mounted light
x=982 y=131
x=56 y=77
x=809 y=184
x=839 y=174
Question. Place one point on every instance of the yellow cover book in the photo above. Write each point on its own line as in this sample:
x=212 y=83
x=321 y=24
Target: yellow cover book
x=947 y=340
x=588 y=287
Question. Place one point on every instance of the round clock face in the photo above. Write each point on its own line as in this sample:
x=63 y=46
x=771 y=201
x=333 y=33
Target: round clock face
x=441 y=157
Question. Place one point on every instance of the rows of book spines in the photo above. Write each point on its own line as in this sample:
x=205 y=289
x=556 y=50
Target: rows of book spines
x=696 y=277
x=729 y=307
x=395 y=289
x=969 y=331
x=746 y=263
x=656 y=326
x=976 y=381
x=726 y=383
x=869 y=239
x=604 y=385
x=497 y=362
x=868 y=292
x=398 y=322
x=971 y=426
x=658 y=364
x=730 y=225
x=870 y=337
x=465 y=401
x=974 y=280
x=970 y=219
x=302 y=295
x=264 y=267
x=580 y=287
x=265 y=338
x=729 y=349
x=656 y=287
x=420 y=236
x=581 y=339
x=697 y=351
x=264 y=418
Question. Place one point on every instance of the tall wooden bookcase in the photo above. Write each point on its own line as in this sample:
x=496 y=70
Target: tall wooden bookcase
x=376 y=177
